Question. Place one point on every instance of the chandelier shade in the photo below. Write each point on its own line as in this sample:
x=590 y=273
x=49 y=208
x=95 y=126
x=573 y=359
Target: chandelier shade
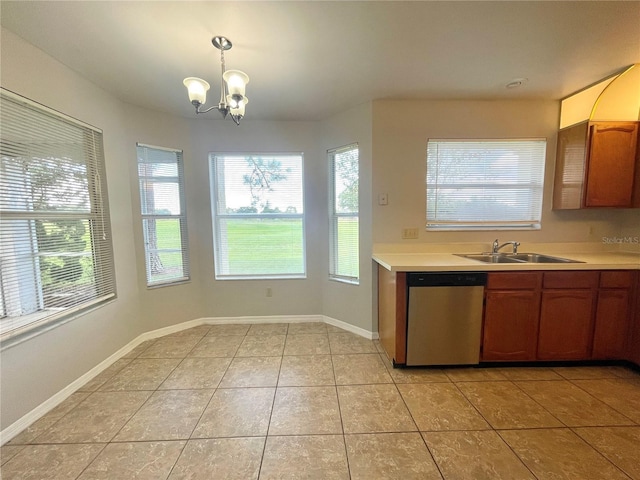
x=197 y=89
x=236 y=82
x=237 y=108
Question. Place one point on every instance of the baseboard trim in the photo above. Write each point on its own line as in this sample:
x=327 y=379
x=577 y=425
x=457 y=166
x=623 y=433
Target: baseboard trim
x=350 y=328
x=25 y=421
x=262 y=319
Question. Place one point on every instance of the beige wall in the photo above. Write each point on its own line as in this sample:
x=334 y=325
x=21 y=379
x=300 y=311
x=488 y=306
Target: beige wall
x=204 y=296
x=241 y=297
x=352 y=303
x=400 y=133
x=36 y=369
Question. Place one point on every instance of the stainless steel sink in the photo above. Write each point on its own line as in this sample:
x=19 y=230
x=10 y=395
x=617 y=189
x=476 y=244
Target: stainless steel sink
x=515 y=258
x=491 y=257
x=540 y=258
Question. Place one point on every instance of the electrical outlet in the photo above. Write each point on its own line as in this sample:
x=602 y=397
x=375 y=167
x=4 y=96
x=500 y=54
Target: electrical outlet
x=410 y=233
x=383 y=199
x=269 y=292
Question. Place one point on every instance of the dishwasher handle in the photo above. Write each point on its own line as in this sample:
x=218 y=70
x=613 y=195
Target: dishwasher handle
x=448 y=279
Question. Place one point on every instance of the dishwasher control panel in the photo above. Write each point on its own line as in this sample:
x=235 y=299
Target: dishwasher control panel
x=449 y=279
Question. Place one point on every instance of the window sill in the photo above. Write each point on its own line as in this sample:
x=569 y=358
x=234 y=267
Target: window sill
x=261 y=277
x=345 y=280
x=181 y=281
x=487 y=228
x=39 y=323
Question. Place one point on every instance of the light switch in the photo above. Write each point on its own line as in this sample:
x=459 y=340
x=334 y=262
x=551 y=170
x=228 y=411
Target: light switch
x=382 y=199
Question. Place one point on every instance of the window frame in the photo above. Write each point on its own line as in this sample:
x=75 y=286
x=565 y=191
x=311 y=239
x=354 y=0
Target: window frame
x=220 y=257
x=181 y=217
x=102 y=289
x=488 y=225
x=335 y=216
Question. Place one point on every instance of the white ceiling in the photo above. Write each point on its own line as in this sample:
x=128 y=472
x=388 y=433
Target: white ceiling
x=309 y=60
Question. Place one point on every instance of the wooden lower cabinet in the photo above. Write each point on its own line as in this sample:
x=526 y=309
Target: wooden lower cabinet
x=559 y=315
x=613 y=314
x=392 y=314
x=512 y=303
x=611 y=330
x=566 y=324
x=633 y=347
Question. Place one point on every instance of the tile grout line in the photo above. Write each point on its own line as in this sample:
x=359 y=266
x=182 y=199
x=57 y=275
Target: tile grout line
x=344 y=438
x=147 y=400
x=273 y=404
x=186 y=441
x=597 y=450
x=424 y=441
x=602 y=401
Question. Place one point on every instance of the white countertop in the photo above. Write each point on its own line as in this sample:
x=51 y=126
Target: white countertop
x=437 y=262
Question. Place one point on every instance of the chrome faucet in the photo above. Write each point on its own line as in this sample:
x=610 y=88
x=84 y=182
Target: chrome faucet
x=497 y=246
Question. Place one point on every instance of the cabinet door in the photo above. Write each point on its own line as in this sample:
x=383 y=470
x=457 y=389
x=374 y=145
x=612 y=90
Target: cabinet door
x=510 y=325
x=611 y=165
x=571 y=158
x=566 y=319
x=612 y=315
x=633 y=350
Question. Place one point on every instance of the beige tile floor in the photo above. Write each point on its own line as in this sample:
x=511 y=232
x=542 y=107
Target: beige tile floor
x=310 y=401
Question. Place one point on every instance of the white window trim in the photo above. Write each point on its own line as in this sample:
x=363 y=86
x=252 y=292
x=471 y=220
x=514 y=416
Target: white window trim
x=182 y=220
x=218 y=245
x=334 y=216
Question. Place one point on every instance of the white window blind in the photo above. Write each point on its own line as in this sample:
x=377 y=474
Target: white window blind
x=258 y=215
x=343 y=226
x=485 y=184
x=164 y=219
x=56 y=256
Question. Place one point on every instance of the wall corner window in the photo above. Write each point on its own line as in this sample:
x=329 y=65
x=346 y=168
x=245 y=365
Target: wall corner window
x=485 y=184
x=164 y=218
x=56 y=257
x=258 y=215
x=344 y=208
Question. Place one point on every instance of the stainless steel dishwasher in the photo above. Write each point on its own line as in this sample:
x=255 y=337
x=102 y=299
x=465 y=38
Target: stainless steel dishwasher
x=444 y=318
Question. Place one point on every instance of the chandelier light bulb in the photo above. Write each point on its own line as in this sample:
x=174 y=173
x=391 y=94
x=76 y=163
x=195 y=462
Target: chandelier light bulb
x=237 y=106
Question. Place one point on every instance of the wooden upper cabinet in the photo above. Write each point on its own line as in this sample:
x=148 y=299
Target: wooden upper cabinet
x=612 y=163
x=571 y=156
x=597 y=165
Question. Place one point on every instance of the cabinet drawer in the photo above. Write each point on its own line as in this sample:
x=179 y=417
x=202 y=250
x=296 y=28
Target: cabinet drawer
x=616 y=279
x=514 y=281
x=570 y=279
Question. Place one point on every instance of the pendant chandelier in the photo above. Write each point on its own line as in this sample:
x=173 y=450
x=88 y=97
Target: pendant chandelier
x=232 y=87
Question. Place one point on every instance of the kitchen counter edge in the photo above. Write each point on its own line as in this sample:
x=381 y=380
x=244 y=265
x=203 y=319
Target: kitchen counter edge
x=439 y=262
